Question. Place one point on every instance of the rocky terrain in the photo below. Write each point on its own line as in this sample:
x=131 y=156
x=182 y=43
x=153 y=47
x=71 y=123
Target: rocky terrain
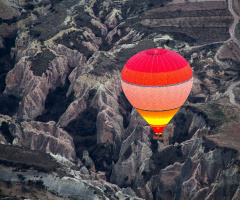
x=68 y=132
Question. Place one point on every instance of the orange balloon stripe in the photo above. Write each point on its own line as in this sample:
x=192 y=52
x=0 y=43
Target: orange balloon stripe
x=157 y=79
x=157 y=98
x=158 y=118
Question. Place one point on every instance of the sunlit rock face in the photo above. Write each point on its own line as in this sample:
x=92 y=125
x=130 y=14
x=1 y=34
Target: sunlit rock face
x=67 y=130
x=44 y=137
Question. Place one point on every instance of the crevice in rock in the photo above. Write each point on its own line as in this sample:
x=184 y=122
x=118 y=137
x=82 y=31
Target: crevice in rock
x=125 y=109
x=97 y=7
x=183 y=37
x=91 y=95
x=83 y=19
x=213 y=114
x=9 y=21
x=9 y=104
x=182 y=123
x=162 y=159
x=103 y=158
x=6 y=61
x=56 y=103
x=154 y=143
x=197 y=99
x=4 y=129
x=127 y=153
x=29 y=7
x=185 y=126
x=105 y=45
x=83 y=131
x=209 y=145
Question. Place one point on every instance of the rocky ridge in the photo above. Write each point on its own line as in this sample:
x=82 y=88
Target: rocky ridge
x=62 y=95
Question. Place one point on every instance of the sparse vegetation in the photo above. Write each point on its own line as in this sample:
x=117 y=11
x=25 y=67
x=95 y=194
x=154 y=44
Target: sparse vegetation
x=40 y=62
x=73 y=40
x=215 y=113
x=105 y=65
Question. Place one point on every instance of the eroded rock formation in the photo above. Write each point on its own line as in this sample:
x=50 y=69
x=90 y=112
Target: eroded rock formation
x=61 y=95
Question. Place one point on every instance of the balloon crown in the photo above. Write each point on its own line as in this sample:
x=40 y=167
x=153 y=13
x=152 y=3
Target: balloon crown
x=156 y=51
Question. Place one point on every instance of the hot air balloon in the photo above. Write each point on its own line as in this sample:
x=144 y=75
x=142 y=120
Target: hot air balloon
x=157 y=82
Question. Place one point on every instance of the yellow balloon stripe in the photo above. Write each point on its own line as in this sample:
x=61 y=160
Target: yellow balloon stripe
x=159 y=117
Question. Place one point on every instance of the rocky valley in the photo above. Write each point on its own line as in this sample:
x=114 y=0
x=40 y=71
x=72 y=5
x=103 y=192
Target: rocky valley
x=67 y=130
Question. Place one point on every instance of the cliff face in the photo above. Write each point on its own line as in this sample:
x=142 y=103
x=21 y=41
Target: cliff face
x=68 y=132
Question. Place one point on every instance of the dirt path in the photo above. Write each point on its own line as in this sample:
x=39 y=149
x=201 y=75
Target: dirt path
x=233 y=37
x=236 y=18
x=232 y=28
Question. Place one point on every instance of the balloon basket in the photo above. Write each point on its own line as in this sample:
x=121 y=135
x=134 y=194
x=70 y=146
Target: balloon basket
x=158 y=136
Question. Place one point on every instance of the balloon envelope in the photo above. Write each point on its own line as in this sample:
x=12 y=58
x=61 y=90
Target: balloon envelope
x=157 y=82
